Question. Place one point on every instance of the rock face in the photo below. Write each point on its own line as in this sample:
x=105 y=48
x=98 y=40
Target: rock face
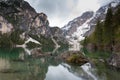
x=58 y=35
x=23 y=16
x=73 y=25
x=85 y=24
x=19 y=15
x=5 y=26
x=114 y=60
x=17 y=12
x=40 y=25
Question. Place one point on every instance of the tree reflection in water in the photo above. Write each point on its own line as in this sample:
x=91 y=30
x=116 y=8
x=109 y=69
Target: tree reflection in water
x=15 y=64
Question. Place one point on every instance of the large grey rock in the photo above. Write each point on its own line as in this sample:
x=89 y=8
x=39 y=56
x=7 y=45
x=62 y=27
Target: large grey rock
x=74 y=57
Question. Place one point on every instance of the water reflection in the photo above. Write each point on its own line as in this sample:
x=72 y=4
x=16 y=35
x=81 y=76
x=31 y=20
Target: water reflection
x=66 y=72
x=4 y=64
x=60 y=73
x=89 y=71
x=15 y=64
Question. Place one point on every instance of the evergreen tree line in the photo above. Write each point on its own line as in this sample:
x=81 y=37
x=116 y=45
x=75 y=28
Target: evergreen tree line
x=107 y=32
x=10 y=39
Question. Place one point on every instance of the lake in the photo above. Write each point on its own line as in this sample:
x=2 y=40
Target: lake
x=17 y=64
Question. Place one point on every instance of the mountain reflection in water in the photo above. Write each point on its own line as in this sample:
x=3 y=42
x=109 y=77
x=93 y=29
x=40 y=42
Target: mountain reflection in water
x=16 y=64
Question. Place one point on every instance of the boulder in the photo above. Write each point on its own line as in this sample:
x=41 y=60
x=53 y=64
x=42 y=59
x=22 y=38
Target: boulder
x=74 y=57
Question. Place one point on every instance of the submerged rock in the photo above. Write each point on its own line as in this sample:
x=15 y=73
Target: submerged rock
x=74 y=57
x=114 y=60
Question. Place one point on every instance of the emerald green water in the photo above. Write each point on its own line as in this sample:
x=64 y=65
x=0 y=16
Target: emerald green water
x=16 y=64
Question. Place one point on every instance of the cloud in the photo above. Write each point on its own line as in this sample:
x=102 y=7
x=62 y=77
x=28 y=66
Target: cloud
x=104 y=2
x=60 y=12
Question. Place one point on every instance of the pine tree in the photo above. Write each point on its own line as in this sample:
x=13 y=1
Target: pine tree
x=98 y=33
x=117 y=17
x=108 y=27
x=116 y=24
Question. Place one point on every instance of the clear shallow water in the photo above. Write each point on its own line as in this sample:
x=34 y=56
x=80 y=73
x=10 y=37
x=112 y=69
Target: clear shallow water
x=16 y=64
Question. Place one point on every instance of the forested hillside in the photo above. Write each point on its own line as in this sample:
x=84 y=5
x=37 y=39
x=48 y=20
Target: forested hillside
x=107 y=33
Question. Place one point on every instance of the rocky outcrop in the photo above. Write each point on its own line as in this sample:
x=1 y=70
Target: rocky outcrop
x=18 y=15
x=72 y=26
x=85 y=24
x=74 y=57
x=17 y=12
x=40 y=25
x=24 y=17
x=58 y=35
x=5 y=26
x=56 y=31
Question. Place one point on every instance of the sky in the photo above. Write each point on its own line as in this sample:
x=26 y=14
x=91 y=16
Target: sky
x=60 y=12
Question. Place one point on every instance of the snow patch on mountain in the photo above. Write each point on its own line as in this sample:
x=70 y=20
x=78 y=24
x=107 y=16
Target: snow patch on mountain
x=114 y=4
x=66 y=27
x=75 y=46
x=55 y=42
x=85 y=25
x=24 y=45
x=81 y=30
x=32 y=40
x=29 y=40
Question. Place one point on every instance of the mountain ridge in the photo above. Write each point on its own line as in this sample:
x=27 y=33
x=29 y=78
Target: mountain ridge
x=18 y=18
x=82 y=30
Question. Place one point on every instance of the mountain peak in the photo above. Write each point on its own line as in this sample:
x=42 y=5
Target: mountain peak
x=84 y=25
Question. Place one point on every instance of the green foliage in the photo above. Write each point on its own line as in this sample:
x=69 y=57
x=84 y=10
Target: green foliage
x=15 y=37
x=117 y=17
x=63 y=45
x=90 y=39
x=85 y=41
x=11 y=39
x=107 y=33
x=47 y=48
x=76 y=59
x=12 y=19
x=5 y=41
x=10 y=53
x=108 y=27
x=97 y=54
x=73 y=58
x=117 y=35
x=99 y=33
x=46 y=41
x=47 y=44
x=32 y=45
